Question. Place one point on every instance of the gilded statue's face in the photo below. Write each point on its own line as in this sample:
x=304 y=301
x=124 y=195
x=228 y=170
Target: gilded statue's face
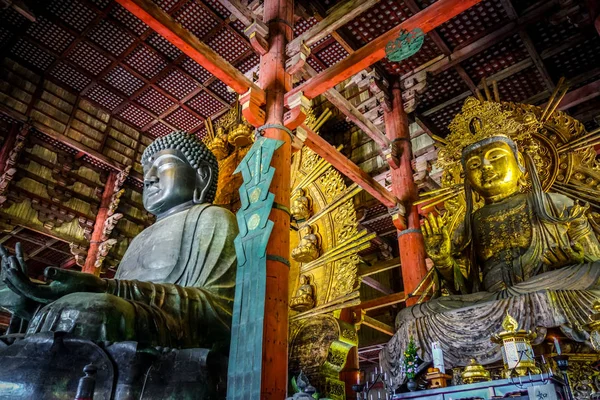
x=493 y=171
x=169 y=180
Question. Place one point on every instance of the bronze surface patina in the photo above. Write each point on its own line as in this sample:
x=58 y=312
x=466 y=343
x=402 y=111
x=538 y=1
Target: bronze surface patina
x=506 y=243
x=175 y=285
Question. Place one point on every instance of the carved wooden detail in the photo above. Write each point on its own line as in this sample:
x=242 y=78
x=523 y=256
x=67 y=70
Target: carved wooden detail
x=50 y=214
x=103 y=251
x=79 y=252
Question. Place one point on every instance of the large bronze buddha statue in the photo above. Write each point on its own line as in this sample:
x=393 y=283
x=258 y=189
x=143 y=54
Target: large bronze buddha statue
x=517 y=249
x=175 y=284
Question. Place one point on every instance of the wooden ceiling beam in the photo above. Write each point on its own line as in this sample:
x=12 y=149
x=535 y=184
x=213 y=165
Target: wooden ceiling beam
x=347 y=167
x=366 y=270
x=240 y=11
x=375 y=284
x=377 y=325
x=338 y=16
x=428 y=19
x=171 y=30
x=579 y=95
x=381 y=302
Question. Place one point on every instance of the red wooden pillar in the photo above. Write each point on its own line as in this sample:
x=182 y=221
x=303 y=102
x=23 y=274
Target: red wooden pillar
x=279 y=16
x=90 y=261
x=410 y=238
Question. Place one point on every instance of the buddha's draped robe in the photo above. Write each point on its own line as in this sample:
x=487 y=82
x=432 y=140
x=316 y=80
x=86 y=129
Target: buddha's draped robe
x=174 y=287
x=510 y=242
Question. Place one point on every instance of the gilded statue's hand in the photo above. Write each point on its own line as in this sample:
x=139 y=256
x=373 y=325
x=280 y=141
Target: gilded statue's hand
x=557 y=257
x=64 y=281
x=437 y=240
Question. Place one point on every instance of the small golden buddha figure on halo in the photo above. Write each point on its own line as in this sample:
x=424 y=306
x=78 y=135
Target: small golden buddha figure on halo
x=518 y=249
x=219 y=145
x=308 y=248
x=300 y=209
x=305 y=295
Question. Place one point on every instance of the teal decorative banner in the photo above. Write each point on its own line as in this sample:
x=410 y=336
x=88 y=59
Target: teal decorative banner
x=406 y=45
x=245 y=356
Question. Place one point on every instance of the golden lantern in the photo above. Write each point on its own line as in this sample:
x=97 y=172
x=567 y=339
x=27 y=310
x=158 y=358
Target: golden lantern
x=517 y=352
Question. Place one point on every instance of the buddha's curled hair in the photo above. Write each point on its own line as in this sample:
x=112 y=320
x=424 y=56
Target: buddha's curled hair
x=194 y=150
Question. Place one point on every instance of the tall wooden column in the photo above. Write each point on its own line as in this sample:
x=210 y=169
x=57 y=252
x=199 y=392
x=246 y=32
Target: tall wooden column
x=92 y=255
x=279 y=16
x=410 y=238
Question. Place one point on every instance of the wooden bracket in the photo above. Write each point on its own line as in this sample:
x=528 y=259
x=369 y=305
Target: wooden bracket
x=251 y=102
x=299 y=138
x=412 y=88
x=296 y=62
x=392 y=155
x=299 y=105
x=398 y=214
x=380 y=89
x=257 y=33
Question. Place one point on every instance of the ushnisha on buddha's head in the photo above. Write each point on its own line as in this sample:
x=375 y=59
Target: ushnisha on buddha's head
x=179 y=171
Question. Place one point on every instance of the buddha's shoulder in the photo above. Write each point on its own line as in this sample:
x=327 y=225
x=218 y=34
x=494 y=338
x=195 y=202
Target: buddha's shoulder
x=215 y=213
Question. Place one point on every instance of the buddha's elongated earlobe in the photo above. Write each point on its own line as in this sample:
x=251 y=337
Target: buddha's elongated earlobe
x=204 y=176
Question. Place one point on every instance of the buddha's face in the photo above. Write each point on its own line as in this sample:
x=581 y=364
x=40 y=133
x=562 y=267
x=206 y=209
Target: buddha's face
x=493 y=171
x=169 y=180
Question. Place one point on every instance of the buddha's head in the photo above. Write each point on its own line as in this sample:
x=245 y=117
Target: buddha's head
x=178 y=169
x=492 y=168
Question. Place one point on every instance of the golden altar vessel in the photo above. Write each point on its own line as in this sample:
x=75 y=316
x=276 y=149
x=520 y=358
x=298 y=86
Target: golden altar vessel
x=518 y=234
x=475 y=372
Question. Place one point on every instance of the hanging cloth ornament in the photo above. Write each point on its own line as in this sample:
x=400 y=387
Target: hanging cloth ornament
x=406 y=45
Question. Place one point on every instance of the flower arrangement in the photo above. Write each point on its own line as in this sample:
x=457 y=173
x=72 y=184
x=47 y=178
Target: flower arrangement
x=410 y=362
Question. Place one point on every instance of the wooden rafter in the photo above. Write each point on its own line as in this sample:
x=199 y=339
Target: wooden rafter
x=377 y=325
x=346 y=167
x=429 y=18
x=379 y=267
x=375 y=284
x=382 y=302
x=171 y=30
x=579 y=95
x=339 y=16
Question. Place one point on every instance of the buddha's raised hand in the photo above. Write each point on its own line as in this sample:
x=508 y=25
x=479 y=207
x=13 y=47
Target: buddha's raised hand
x=437 y=240
x=64 y=281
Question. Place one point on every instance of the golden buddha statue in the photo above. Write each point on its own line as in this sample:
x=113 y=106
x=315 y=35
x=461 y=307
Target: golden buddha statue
x=308 y=248
x=305 y=295
x=513 y=248
x=300 y=209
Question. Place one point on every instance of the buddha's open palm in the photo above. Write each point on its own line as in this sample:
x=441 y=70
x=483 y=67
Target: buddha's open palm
x=437 y=239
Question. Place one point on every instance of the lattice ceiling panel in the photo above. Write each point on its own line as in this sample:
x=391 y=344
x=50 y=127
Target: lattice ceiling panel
x=101 y=3
x=32 y=54
x=205 y=104
x=163 y=46
x=375 y=211
x=145 y=61
x=315 y=64
x=166 y=5
x=228 y=45
x=111 y=38
x=377 y=20
x=135 y=116
x=196 y=70
x=89 y=58
x=575 y=60
x=183 y=120
x=159 y=129
x=201 y=132
x=443 y=117
x=128 y=19
x=177 y=84
x=196 y=19
x=238 y=26
x=50 y=35
x=496 y=58
x=69 y=76
x=54 y=257
x=218 y=8
x=428 y=52
x=11 y=17
x=104 y=97
x=220 y=89
x=380 y=225
x=73 y=13
x=473 y=22
x=123 y=80
x=249 y=62
x=521 y=85
x=5 y=36
x=441 y=88
x=154 y=101
x=332 y=54
x=302 y=25
x=544 y=34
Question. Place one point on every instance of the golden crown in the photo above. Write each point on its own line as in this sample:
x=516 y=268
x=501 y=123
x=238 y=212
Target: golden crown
x=481 y=120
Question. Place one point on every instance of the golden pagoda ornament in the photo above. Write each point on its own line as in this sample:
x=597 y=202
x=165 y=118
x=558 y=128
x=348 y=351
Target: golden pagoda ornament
x=517 y=352
x=474 y=373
